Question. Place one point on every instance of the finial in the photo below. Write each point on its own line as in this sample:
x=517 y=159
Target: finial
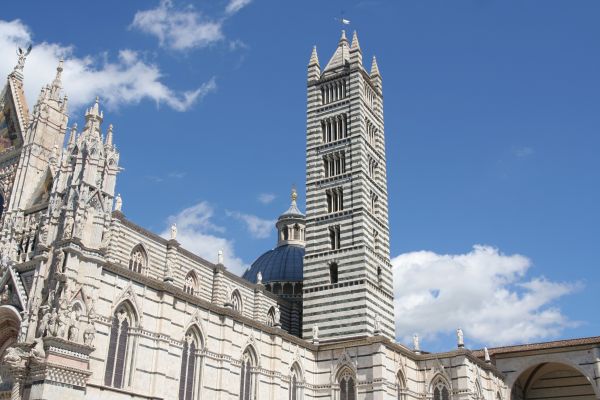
x=259 y=278
x=355 y=45
x=314 y=58
x=343 y=38
x=174 y=231
x=374 y=68
x=73 y=133
x=486 y=355
x=109 y=135
x=220 y=257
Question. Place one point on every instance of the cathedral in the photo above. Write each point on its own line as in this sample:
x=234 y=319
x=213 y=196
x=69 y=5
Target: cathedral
x=93 y=306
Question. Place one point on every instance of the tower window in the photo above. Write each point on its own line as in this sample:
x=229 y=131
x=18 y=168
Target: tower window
x=333 y=273
x=372 y=168
x=334 y=237
x=334 y=164
x=371 y=130
x=374 y=204
x=335 y=201
x=334 y=128
x=333 y=91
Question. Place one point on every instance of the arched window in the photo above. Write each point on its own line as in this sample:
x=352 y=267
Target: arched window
x=347 y=386
x=247 y=375
x=333 y=273
x=138 y=260
x=190 y=365
x=236 y=301
x=296 y=232
x=440 y=391
x=190 y=285
x=120 y=348
x=401 y=384
x=295 y=382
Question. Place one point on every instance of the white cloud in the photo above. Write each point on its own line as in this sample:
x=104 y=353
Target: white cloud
x=127 y=80
x=178 y=29
x=197 y=233
x=259 y=228
x=236 y=5
x=266 y=198
x=522 y=151
x=484 y=292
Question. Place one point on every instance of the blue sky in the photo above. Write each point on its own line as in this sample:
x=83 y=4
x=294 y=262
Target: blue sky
x=491 y=113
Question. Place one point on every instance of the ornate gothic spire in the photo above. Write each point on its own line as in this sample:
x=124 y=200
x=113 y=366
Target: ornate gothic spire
x=109 y=136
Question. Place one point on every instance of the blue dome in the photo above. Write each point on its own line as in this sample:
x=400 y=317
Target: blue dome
x=282 y=264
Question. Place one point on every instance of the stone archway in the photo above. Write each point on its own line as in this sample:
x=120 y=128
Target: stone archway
x=10 y=322
x=552 y=380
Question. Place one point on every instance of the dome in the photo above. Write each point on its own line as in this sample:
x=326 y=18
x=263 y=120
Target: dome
x=282 y=264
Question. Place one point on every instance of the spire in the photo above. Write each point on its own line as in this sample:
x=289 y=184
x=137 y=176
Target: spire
x=341 y=55
x=374 y=68
x=355 y=45
x=109 y=136
x=343 y=38
x=314 y=58
x=57 y=79
x=72 y=136
x=94 y=112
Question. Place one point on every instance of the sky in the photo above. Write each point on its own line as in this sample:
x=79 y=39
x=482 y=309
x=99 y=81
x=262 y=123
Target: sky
x=491 y=123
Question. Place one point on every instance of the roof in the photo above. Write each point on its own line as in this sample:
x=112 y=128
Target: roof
x=282 y=264
x=341 y=55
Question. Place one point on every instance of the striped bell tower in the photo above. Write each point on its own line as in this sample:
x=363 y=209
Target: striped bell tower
x=347 y=270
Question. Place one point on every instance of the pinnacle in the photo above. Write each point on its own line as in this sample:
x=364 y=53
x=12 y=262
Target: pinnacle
x=374 y=67
x=355 y=45
x=314 y=58
x=109 y=136
x=343 y=38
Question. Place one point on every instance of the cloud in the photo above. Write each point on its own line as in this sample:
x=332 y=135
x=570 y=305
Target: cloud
x=178 y=29
x=236 y=5
x=197 y=233
x=483 y=291
x=522 y=151
x=259 y=228
x=266 y=198
x=127 y=80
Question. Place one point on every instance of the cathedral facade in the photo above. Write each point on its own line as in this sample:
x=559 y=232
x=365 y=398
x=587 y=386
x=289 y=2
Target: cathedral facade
x=94 y=306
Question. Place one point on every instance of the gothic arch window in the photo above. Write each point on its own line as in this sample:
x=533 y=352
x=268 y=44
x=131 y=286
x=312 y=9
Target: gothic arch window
x=295 y=382
x=190 y=285
x=119 y=360
x=440 y=391
x=271 y=317
x=401 y=385
x=138 y=260
x=190 y=365
x=247 y=378
x=236 y=301
x=333 y=273
x=347 y=383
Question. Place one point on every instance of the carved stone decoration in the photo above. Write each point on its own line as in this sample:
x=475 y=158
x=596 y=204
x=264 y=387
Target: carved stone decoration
x=5 y=295
x=89 y=334
x=315 y=334
x=37 y=351
x=68 y=230
x=277 y=317
x=15 y=357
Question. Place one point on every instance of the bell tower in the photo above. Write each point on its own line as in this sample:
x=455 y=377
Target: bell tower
x=347 y=270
